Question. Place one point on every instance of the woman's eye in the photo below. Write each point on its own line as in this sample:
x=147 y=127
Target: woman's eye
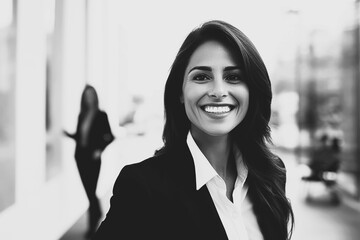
x=201 y=77
x=233 y=78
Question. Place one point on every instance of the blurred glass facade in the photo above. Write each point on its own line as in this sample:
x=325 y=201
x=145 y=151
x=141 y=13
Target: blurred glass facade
x=7 y=103
x=49 y=50
x=53 y=92
x=321 y=75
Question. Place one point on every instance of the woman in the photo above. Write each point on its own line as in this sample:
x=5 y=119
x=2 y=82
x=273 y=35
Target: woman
x=92 y=135
x=215 y=177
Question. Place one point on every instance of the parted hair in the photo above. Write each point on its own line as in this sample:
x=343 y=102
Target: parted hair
x=267 y=174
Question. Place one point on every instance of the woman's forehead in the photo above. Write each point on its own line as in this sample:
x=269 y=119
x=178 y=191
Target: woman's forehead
x=212 y=53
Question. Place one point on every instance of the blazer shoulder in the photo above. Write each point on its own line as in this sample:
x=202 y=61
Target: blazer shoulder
x=152 y=163
x=170 y=162
x=143 y=172
x=162 y=171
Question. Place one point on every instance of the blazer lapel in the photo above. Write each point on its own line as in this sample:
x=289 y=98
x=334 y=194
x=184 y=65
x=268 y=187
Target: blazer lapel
x=208 y=218
x=199 y=203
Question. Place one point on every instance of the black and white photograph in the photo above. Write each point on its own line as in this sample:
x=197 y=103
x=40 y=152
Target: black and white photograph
x=180 y=120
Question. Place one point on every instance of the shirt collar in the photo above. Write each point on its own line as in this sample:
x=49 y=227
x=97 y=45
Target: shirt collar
x=204 y=172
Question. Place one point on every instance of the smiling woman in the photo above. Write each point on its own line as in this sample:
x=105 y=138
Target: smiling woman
x=215 y=177
x=215 y=96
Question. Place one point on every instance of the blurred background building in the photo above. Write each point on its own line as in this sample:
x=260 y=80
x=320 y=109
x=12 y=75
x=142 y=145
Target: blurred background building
x=317 y=82
x=49 y=49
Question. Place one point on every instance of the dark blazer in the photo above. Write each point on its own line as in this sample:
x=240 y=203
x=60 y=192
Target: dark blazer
x=99 y=135
x=157 y=199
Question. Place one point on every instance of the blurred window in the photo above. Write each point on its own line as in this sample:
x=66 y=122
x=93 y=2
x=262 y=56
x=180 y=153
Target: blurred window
x=53 y=157
x=7 y=104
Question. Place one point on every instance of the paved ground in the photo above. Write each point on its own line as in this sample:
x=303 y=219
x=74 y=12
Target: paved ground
x=319 y=219
x=314 y=221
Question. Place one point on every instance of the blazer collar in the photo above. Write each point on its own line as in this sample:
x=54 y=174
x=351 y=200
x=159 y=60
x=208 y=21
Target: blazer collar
x=204 y=171
x=199 y=203
x=181 y=165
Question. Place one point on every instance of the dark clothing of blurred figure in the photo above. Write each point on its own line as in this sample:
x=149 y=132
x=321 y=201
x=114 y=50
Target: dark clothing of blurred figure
x=96 y=136
x=91 y=139
x=93 y=134
x=325 y=158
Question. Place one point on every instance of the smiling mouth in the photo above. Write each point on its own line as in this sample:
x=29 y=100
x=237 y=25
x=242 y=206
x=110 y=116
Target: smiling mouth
x=217 y=109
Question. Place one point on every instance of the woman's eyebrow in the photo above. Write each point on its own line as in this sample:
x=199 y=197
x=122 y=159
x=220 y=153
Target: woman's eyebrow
x=209 y=69
x=230 y=68
x=202 y=68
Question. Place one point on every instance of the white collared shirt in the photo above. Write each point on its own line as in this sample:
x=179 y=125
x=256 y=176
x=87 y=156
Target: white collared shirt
x=237 y=217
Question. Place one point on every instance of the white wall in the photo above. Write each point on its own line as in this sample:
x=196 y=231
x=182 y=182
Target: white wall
x=46 y=209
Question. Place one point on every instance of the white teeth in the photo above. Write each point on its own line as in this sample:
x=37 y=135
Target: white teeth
x=220 y=109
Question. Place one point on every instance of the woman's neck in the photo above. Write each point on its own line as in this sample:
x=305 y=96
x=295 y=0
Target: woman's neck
x=216 y=149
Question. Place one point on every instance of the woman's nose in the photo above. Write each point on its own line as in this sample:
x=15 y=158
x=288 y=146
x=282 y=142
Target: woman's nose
x=218 y=90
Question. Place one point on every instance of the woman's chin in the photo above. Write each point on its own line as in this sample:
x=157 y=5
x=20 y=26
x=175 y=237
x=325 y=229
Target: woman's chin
x=217 y=132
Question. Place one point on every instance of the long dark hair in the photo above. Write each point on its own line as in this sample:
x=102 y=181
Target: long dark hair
x=267 y=174
x=83 y=106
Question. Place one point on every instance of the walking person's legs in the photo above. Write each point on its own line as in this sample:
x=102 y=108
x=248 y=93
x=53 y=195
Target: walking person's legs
x=89 y=173
x=95 y=212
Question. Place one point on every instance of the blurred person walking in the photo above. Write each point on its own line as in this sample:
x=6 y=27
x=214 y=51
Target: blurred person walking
x=93 y=134
x=324 y=164
x=325 y=157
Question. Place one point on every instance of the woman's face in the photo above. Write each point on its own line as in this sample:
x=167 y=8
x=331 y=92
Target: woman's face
x=214 y=92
